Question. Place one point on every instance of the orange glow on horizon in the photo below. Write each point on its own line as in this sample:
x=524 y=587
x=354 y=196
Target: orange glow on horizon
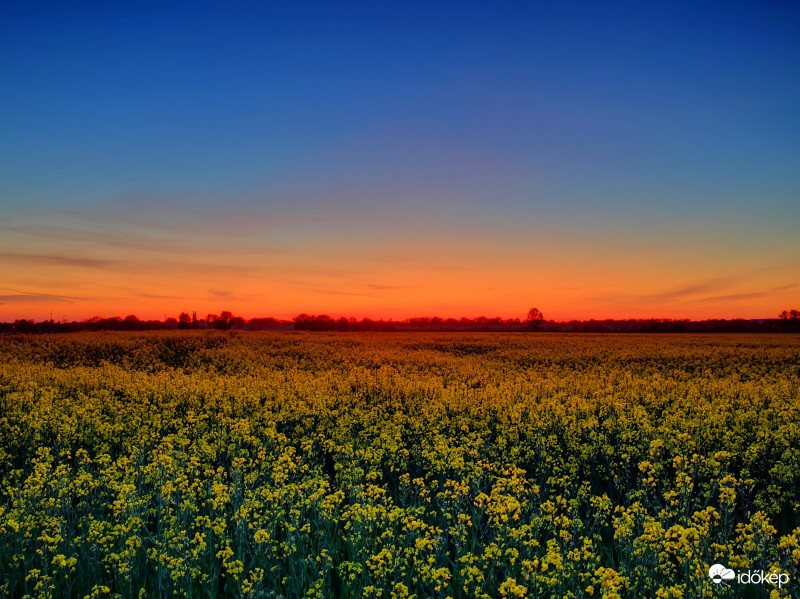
x=392 y=272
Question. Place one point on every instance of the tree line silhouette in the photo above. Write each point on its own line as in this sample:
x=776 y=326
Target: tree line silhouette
x=788 y=321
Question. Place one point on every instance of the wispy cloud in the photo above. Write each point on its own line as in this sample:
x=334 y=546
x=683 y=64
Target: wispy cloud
x=336 y=292
x=27 y=299
x=22 y=297
x=388 y=287
x=215 y=295
x=183 y=239
x=728 y=288
x=696 y=288
x=733 y=297
x=57 y=260
x=159 y=296
x=687 y=293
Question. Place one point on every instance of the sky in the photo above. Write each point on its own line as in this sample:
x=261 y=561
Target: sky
x=399 y=159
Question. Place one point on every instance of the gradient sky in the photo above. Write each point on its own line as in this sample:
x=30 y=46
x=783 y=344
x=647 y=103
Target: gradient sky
x=398 y=159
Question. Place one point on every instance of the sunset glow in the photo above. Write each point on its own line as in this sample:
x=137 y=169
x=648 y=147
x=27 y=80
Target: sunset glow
x=395 y=162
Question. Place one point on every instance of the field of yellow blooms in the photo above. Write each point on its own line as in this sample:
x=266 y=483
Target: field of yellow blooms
x=345 y=465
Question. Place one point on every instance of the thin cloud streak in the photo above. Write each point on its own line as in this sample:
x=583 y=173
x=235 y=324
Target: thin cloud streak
x=157 y=296
x=733 y=297
x=686 y=293
x=20 y=297
x=127 y=239
x=136 y=266
x=705 y=286
x=389 y=287
x=302 y=211
x=347 y=293
x=57 y=260
x=38 y=299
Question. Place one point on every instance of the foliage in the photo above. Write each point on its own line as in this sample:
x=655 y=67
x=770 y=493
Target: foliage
x=223 y=464
x=535 y=318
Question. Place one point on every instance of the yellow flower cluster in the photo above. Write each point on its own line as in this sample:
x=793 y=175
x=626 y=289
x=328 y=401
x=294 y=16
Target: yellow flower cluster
x=291 y=465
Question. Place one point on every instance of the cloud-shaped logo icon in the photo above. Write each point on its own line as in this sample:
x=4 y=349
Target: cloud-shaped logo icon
x=720 y=573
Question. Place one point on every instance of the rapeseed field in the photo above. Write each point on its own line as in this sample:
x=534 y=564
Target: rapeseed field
x=358 y=465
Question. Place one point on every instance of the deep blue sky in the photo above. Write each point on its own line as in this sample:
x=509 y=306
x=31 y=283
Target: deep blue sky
x=580 y=118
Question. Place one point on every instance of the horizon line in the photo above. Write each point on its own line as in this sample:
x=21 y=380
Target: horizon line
x=409 y=320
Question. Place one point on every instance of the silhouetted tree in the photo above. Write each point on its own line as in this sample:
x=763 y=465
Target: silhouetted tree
x=535 y=318
x=322 y=322
x=222 y=322
x=23 y=325
x=131 y=323
x=184 y=321
x=789 y=320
